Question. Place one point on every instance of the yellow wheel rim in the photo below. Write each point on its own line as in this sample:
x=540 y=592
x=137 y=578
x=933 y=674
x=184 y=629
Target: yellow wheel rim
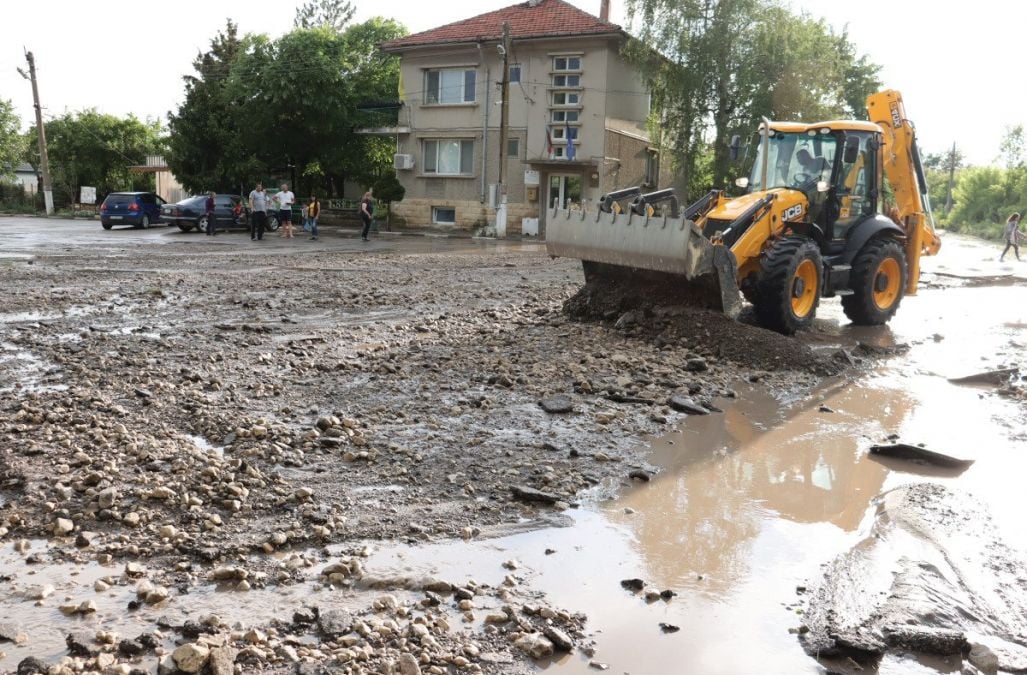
x=804 y=288
x=887 y=283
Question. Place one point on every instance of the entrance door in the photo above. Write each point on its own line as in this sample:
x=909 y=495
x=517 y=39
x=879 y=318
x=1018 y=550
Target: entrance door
x=564 y=191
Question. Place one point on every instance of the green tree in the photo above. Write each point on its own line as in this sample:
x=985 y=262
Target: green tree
x=96 y=149
x=1013 y=149
x=331 y=14
x=718 y=66
x=12 y=143
x=259 y=108
x=295 y=101
x=204 y=150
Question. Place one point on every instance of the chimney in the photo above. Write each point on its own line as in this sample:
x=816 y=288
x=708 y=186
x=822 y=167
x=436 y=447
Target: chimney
x=604 y=11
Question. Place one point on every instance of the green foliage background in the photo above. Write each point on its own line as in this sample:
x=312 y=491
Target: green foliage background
x=262 y=109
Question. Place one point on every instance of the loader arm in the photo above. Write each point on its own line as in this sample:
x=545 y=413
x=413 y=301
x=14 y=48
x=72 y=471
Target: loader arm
x=905 y=173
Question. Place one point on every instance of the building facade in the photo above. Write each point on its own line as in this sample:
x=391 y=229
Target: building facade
x=577 y=119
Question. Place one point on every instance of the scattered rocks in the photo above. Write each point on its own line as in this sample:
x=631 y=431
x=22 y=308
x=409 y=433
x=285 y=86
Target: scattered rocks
x=557 y=405
x=408 y=665
x=62 y=527
x=559 y=639
x=535 y=645
x=335 y=622
x=634 y=585
x=686 y=405
x=33 y=666
x=529 y=494
x=983 y=657
x=11 y=633
x=191 y=657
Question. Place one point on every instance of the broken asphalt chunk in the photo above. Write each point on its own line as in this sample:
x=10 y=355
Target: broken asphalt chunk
x=915 y=453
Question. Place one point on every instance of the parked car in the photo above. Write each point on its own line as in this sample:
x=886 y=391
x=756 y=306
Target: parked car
x=229 y=210
x=138 y=209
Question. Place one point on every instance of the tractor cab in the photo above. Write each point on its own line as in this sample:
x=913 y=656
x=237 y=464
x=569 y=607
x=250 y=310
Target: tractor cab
x=832 y=164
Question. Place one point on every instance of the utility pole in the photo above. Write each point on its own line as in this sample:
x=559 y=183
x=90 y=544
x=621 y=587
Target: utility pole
x=952 y=180
x=505 y=107
x=44 y=160
x=504 y=121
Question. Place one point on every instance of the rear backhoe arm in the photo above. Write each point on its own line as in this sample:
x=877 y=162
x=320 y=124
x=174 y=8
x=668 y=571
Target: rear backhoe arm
x=904 y=171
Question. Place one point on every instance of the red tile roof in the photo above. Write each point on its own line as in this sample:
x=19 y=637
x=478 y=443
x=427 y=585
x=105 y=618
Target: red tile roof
x=547 y=18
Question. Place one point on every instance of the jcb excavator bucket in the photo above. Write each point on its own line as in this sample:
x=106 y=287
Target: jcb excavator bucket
x=653 y=256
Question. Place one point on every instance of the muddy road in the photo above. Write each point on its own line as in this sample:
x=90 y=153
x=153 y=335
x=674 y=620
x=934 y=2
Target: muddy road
x=404 y=457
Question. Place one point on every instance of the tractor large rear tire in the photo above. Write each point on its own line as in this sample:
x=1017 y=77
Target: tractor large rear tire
x=788 y=288
x=878 y=283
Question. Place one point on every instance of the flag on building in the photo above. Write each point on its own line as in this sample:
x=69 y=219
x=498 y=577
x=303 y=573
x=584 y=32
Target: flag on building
x=569 y=134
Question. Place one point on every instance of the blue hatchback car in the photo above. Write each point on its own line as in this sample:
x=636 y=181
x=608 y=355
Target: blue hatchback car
x=138 y=209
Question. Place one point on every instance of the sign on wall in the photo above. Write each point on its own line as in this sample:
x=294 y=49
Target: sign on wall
x=88 y=195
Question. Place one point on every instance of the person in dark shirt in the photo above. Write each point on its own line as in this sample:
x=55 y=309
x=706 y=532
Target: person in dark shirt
x=366 y=213
x=208 y=212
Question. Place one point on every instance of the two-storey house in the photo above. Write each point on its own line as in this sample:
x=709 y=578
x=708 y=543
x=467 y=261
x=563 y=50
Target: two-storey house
x=577 y=121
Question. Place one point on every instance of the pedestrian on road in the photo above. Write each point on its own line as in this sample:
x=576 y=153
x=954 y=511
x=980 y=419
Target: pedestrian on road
x=285 y=200
x=258 y=212
x=208 y=212
x=1013 y=236
x=313 y=212
x=366 y=213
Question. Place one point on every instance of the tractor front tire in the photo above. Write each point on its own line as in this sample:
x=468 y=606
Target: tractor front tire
x=878 y=283
x=788 y=288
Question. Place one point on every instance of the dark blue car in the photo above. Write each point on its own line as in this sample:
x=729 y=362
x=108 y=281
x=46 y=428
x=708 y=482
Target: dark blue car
x=138 y=209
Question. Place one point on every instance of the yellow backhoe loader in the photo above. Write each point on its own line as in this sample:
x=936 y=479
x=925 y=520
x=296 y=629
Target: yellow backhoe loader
x=811 y=224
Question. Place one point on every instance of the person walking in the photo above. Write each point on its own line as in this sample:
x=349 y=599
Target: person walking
x=1013 y=236
x=313 y=212
x=366 y=214
x=258 y=212
x=209 y=214
x=285 y=199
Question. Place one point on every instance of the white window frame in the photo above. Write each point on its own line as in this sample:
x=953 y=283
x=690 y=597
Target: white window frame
x=435 y=215
x=566 y=95
x=558 y=132
x=464 y=98
x=566 y=64
x=561 y=116
x=428 y=162
x=566 y=81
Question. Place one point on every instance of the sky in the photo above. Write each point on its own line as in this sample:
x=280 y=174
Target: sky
x=960 y=68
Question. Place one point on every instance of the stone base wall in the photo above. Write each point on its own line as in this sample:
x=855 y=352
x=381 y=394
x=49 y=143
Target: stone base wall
x=471 y=216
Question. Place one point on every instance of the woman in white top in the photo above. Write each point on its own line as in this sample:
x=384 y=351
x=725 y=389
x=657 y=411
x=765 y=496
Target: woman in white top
x=1013 y=235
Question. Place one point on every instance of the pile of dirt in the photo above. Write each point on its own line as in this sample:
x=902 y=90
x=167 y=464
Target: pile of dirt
x=662 y=317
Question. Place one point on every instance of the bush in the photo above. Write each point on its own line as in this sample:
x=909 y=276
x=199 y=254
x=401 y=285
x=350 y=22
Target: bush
x=388 y=189
x=984 y=197
x=14 y=199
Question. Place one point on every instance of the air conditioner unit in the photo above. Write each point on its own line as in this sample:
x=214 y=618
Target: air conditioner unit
x=404 y=162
